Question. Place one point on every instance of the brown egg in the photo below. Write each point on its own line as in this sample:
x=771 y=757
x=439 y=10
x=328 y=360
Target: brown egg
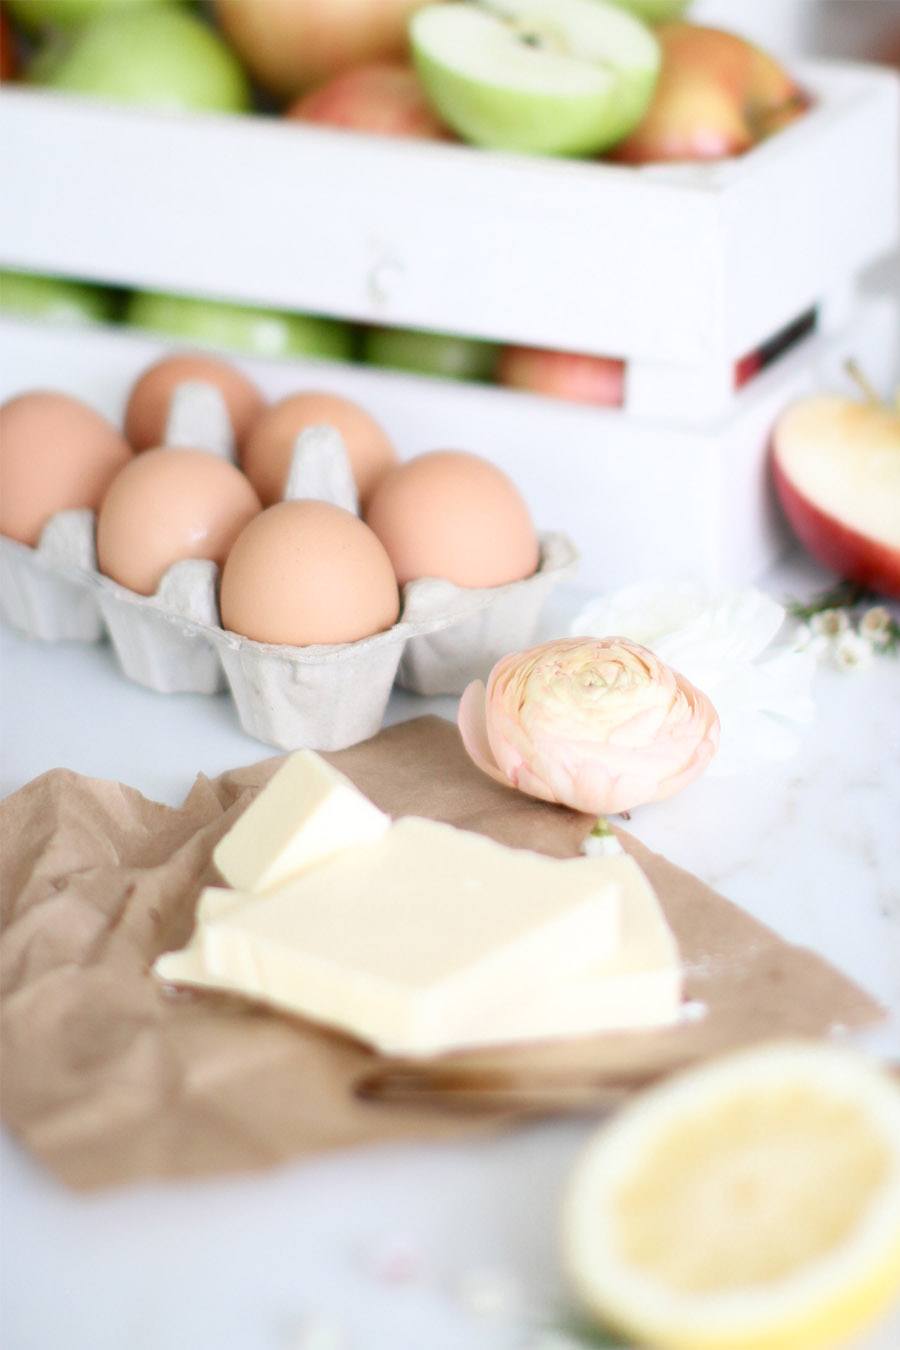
x=266 y=456
x=307 y=572
x=148 y=404
x=453 y=515
x=168 y=505
x=56 y=454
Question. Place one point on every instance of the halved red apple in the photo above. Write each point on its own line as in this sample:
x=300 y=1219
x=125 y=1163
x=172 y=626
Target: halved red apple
x=836 y=465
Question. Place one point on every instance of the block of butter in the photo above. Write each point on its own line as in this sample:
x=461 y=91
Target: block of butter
x=424 y=940
x=306 y=812
x=639 y=986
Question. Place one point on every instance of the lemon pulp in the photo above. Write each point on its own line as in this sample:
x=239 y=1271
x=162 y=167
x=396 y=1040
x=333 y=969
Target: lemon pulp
x=735 y=1199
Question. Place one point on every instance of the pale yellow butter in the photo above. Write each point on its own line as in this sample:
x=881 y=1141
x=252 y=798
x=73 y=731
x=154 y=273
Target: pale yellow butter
x=306 y=813
x=639 y=986
x=416 y=942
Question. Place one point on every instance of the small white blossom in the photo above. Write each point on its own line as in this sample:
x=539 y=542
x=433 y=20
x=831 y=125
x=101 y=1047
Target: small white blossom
x=875 y=625
x=601 y=846
x=851 y=651
x=830 y=623
x=601 y=842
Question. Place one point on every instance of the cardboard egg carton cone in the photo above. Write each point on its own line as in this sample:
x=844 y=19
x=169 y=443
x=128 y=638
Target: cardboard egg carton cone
x=504 y=619
x=46 y=591
x=52 y=592
x=319 y=697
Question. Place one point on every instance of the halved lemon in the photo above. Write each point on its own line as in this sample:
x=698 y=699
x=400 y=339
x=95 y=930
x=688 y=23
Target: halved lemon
x=750 y=1204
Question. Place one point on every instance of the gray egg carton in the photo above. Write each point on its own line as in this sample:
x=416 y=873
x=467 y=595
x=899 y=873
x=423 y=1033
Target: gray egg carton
x=318 y=697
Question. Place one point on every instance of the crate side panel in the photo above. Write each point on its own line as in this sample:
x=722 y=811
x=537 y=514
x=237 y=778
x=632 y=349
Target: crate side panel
x=589 y=257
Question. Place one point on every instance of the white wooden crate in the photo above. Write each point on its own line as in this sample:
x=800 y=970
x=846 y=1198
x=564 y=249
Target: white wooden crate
x=680 y=269
x=639 y=499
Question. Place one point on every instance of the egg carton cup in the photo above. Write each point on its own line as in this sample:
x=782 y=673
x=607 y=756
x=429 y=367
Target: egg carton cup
x=504 y=619
x=320 y=697
x=45 y=591
x=328 y=697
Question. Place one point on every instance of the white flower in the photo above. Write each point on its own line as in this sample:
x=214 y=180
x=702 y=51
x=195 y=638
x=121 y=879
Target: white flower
x=851 y=651
x=724 y=643
x=601 y=842
x=875 y=625
x=830 y=623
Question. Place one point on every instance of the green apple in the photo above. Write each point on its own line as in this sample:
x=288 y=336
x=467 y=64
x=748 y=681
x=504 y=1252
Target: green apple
x=151 y=54
x=34 y=15
x=654 y=11
x=428 y=353
x=56 y=299
x=555 y=77
x=259 y=332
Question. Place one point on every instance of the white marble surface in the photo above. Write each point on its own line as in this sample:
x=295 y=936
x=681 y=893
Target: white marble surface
x=811 y=847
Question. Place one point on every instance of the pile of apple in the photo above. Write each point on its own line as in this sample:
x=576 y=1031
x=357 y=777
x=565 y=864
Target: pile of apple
x=625 y=79
x=620 y=78
x=283 y=334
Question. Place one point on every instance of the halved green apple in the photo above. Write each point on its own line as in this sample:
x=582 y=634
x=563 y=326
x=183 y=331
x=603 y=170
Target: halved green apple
x=553 y=77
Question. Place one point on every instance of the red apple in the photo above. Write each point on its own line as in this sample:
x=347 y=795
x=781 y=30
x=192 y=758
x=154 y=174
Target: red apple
x=580 y=379
x=836 y=464
x=717 y=96
x=289 y=45
x=747 y=367
x=770 y=123
x=7 y=48
x=384 y=99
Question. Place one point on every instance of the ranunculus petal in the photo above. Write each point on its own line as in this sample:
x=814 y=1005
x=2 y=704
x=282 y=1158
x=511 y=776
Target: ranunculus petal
x=599 y=725
x=472 y=725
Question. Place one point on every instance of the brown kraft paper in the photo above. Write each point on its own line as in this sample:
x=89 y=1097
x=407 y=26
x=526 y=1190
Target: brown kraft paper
x=109 y=1077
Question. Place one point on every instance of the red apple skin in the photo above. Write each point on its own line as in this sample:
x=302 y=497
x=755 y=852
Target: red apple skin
x=716 y=97
x=291 y=45
x=845 y=551
x=7 y=49
x=579 y=379
x=382 y=99
x=747 y=367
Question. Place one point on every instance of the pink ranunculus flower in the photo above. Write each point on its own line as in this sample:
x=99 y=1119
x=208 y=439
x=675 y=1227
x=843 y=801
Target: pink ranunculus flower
x=598 y=724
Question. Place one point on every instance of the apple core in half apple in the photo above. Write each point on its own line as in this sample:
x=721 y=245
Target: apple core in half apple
x=555 y=77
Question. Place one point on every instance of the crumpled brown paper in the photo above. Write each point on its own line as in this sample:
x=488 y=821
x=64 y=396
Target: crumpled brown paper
x=107 y=1077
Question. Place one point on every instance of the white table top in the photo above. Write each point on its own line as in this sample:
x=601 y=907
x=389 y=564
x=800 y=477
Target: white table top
x=810 y=847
